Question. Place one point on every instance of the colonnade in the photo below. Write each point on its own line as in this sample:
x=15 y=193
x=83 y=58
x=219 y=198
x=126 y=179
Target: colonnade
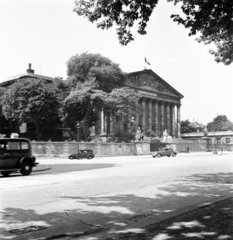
x=159 y=115
x=153 y=114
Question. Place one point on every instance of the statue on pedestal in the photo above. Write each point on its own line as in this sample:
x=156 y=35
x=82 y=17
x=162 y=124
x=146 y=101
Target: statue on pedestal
x=166 y=137
x=205 y=132
x=138 y=134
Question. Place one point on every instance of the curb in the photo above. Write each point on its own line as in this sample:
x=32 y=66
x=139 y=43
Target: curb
x=42 y=169
x=140 y=224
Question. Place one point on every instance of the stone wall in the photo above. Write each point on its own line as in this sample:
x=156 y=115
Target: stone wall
x=63 y=149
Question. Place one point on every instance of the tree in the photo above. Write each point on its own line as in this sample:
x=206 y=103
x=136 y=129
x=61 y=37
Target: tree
x=212 y=20
x=220 y=123
x=120 y=102
x=32 y=101
x=95 y=68
x=186 y=127
x=83 y=105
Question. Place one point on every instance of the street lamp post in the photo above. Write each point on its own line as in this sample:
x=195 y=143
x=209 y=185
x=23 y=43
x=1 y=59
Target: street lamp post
x=78 y=127
x=215 y=141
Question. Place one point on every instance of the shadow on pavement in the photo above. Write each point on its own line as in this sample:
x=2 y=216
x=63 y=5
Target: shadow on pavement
x=208 y=222
x=63 y=168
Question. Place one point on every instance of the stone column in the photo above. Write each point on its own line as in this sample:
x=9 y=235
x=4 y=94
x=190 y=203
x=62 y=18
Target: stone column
x=162 y=116
x=178 y=121
x=157 y=117
x=170 y=112
x=165 y=116
x=102 y=122
x=173 y=120
x=111 y=125
x=153 y=115
x=168 y=119
x=143 y=115
x=149 y=113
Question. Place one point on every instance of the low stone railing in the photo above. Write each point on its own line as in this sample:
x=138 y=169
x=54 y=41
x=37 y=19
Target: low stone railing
x=63 y=149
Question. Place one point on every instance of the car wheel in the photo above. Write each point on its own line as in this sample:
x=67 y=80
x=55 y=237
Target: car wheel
x=173 y=154
x=6 y=174
x=71 y=157
x=26 y=168
x=89 y=157
x=158 y=155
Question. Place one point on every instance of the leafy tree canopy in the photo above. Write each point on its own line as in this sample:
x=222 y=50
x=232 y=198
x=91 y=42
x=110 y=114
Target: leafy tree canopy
x=121 y=101
x=32 y=101
x=83 y=104
x=212 y=20
x=186 y=127
x=220 y=123
x=88 y=67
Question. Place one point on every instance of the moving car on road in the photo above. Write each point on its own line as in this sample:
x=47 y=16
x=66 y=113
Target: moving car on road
x=164 y=152
x=16 y=156
x=82 y=154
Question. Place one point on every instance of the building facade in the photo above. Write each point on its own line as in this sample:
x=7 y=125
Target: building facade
x=160 y=106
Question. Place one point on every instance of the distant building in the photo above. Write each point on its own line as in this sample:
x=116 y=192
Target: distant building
x=199 y=127
x=55 y=132
x=220 y=137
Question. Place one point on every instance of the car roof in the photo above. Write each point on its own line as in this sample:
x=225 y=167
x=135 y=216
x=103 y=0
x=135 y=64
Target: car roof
x=14 y=139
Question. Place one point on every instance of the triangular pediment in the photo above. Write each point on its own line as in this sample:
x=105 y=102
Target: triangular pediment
x=148 y=80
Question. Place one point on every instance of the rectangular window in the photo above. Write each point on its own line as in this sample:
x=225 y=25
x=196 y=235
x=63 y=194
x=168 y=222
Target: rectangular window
x=13 y=145
x=24 y=146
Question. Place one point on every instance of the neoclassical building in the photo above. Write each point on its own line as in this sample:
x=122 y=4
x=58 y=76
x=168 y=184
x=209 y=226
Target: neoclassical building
x=160 y=106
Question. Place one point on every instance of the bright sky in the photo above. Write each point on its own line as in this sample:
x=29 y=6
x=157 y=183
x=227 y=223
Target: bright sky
x=46 y=33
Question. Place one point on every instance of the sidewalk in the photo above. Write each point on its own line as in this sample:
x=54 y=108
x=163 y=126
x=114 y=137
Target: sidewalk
x=212 y=220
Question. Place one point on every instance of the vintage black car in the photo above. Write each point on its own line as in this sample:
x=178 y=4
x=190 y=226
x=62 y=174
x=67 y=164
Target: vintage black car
x=82 y=154
x=164 y=152
x=16 y=156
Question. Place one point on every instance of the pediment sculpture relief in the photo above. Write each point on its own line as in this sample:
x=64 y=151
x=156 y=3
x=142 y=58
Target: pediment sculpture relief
x=147 y=81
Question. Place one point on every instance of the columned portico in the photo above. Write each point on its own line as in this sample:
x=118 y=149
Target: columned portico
x=159 y=107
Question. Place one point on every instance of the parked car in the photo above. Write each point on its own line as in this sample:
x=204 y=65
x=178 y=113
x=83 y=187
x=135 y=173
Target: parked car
x=16 y=156
x=82 y=154
x=164 y=152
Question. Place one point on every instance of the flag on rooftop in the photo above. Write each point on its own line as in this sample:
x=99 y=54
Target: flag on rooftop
x=146 y=61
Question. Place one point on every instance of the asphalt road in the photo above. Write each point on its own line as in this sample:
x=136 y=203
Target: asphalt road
x=77 y=199
x=64 y=167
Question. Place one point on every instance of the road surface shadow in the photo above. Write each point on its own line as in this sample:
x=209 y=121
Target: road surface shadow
x=209 y=222
x=63 y=168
